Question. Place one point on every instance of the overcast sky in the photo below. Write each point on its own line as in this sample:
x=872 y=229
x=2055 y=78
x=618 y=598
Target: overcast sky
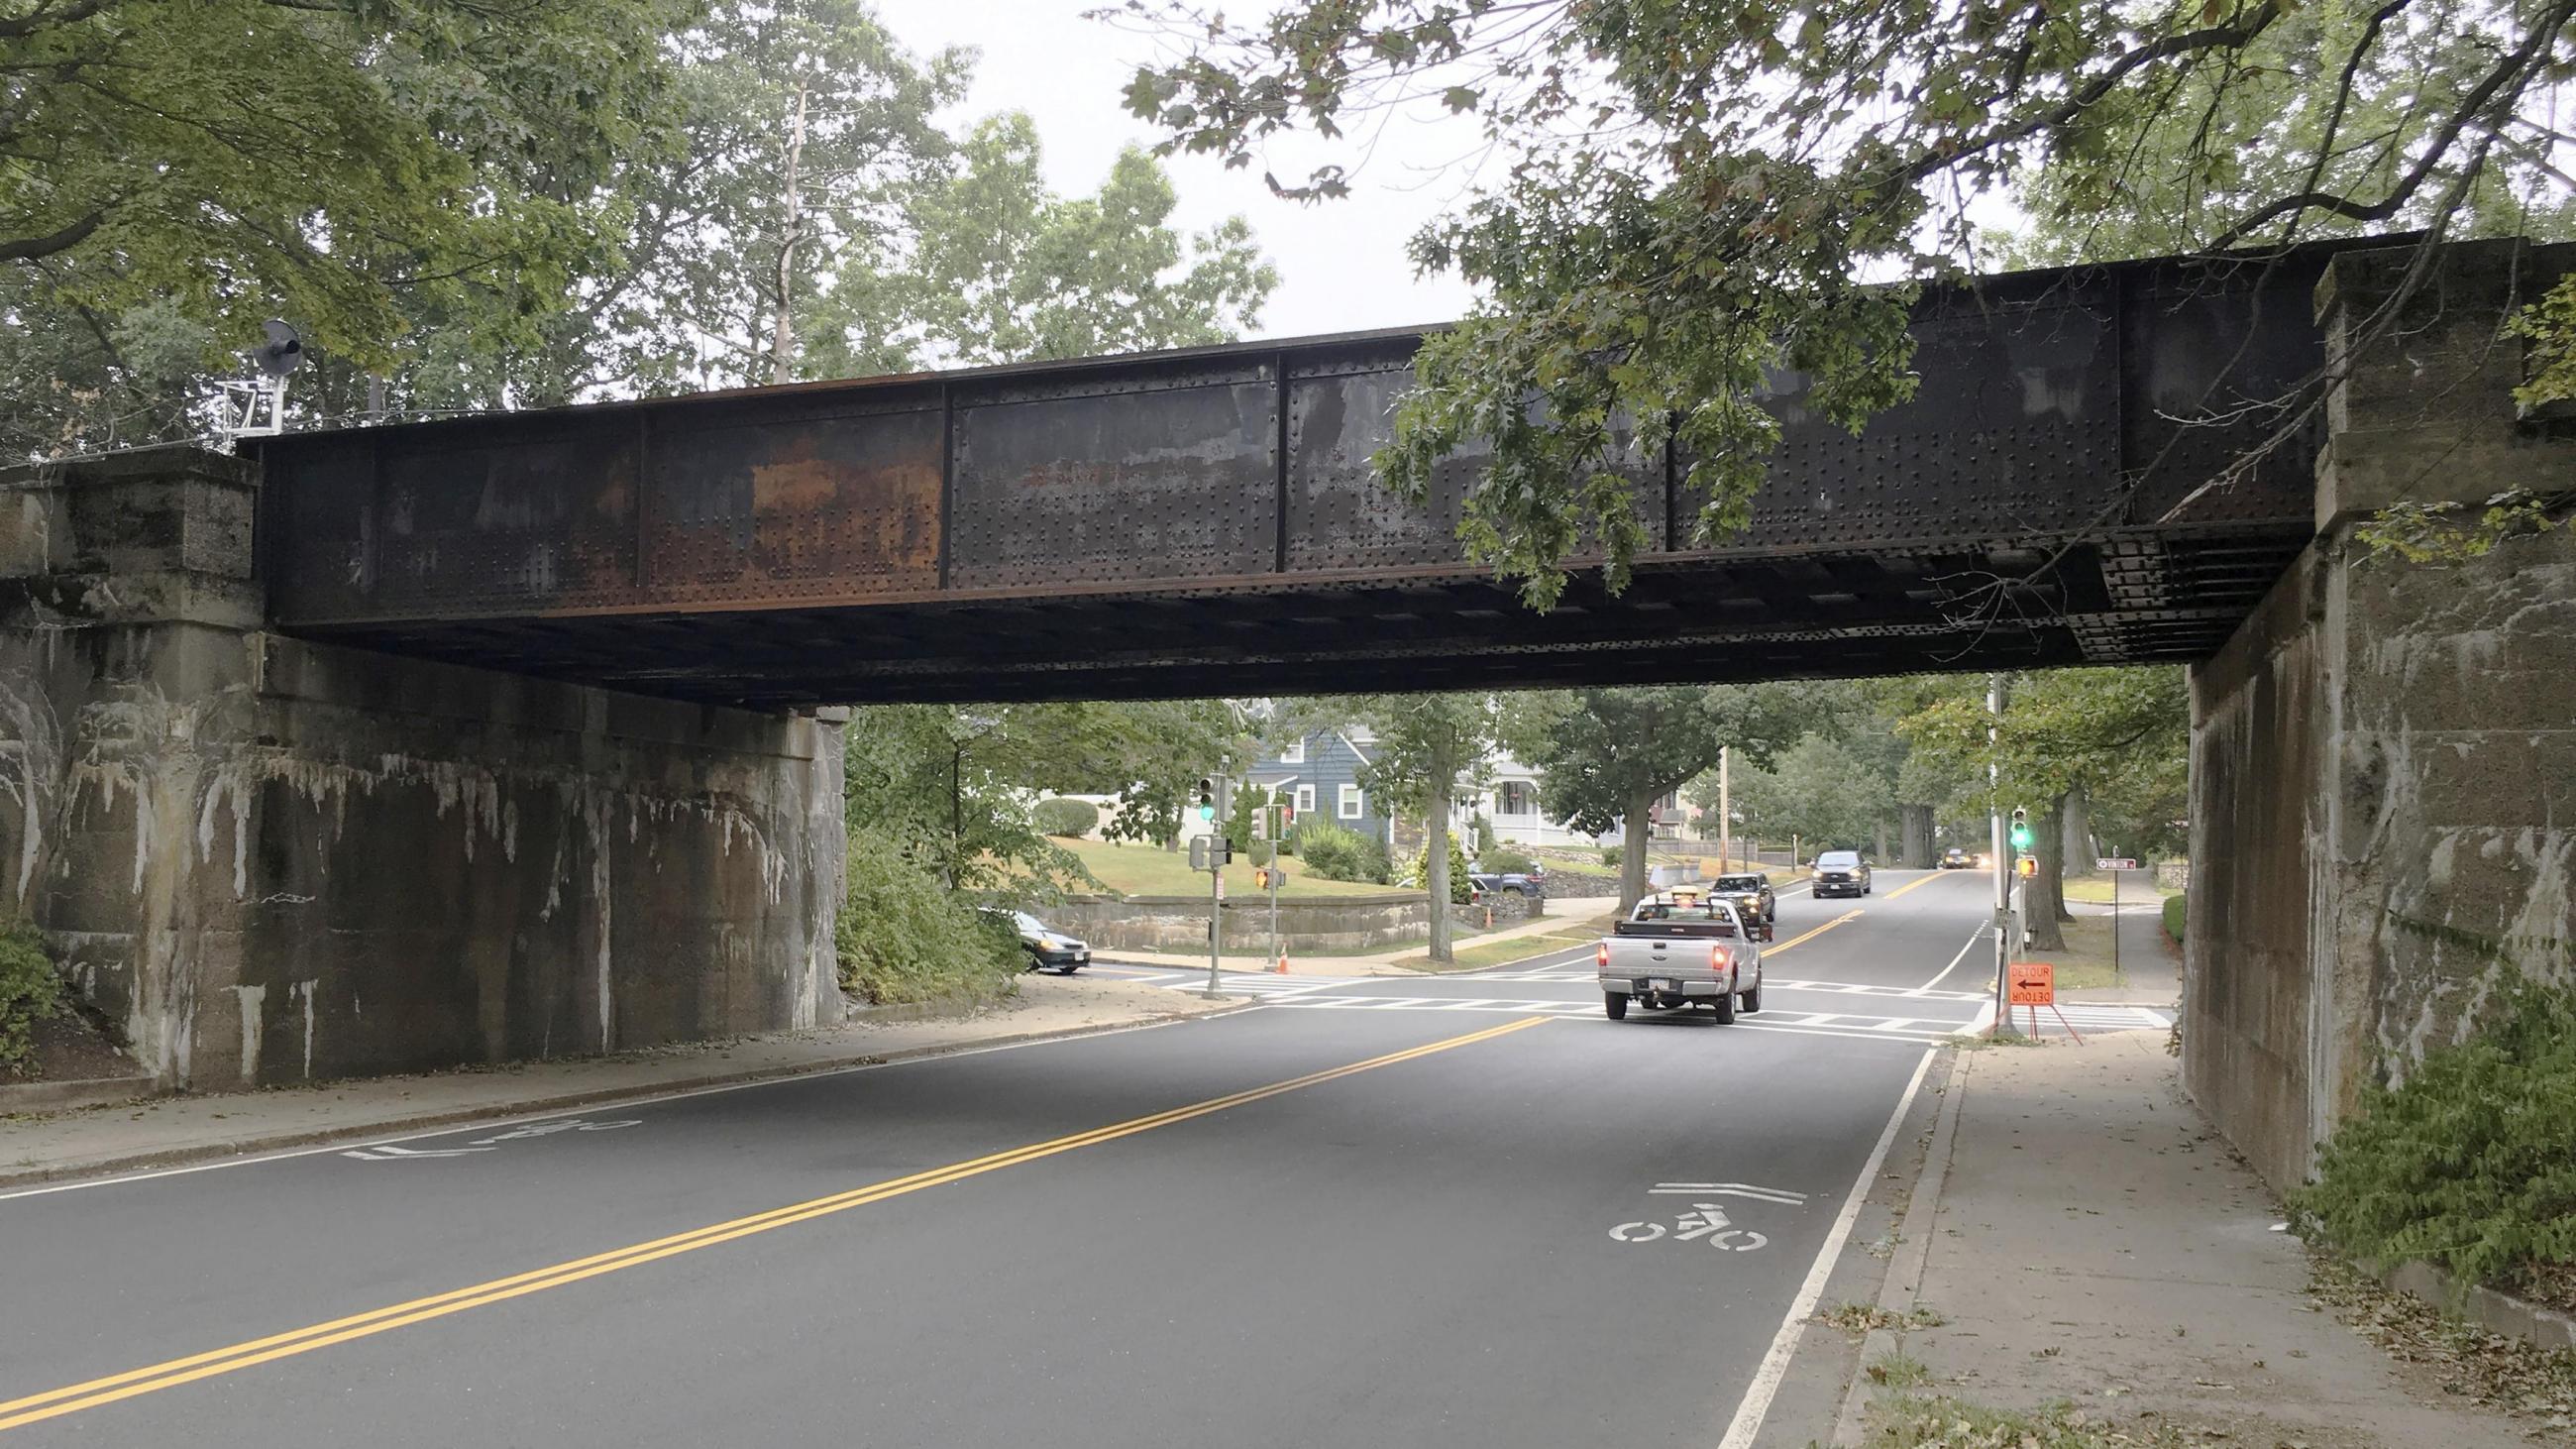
x=1342 y=264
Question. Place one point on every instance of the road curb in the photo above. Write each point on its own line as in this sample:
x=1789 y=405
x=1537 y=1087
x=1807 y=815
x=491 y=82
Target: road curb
x=17 y=1098
x=497 y=1112
x=2544 y=1328
x=1896 y=1294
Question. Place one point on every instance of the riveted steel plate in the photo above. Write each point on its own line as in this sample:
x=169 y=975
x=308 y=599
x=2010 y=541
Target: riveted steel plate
x=793 y=510
x=1172 y=484
x=500 y=524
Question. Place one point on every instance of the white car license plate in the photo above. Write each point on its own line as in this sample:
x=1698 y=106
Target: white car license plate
x=1659 y=983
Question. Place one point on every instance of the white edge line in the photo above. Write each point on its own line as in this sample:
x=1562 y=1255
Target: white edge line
x=515 y=1119
x=1908 y=1038
x=1974 y=937
x=1775 y=1364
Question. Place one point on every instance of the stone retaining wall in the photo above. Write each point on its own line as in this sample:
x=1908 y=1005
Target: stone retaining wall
x=1308 y=925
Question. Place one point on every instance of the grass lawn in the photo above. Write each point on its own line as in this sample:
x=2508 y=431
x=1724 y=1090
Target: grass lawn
x=2086 y=961
x=1149 y=870
x=1517 y=948
x=2136 y=886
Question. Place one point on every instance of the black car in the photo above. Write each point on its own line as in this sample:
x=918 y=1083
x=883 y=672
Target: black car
x=1841 y=873
x=1956 y=859
x=1750 y=893
x=1047 y=946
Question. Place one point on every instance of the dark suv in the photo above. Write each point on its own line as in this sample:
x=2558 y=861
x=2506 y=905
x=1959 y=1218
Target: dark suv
x=1841 y=873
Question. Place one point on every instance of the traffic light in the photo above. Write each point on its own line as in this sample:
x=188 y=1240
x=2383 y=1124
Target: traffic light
x=2020 y=829
x=1261 y=824
x=2028 y=866
x=1207 y=797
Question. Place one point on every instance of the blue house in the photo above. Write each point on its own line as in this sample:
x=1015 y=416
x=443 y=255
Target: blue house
x=1319 y=774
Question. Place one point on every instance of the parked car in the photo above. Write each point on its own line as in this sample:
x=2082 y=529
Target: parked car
x=1956 y=859
x=1841 y=873
x=1532 y=882
x=1750 y=893
x=1046 y=946
x=1675 y=952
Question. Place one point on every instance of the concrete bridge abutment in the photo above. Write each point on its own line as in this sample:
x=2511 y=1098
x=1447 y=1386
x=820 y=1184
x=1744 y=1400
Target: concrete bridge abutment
x=2383 y=772
x=273 y=860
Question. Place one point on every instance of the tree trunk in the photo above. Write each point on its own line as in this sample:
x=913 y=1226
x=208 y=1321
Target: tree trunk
x=1917 y=820
x=1878 y=833
x=1632 y=851
x=782 y=342
x=1435 y=857
x=2079 y=834
x=2045 y=903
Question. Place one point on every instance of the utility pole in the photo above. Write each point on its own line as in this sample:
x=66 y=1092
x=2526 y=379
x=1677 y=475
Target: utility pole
x=2002 y=857
x=1725 y=810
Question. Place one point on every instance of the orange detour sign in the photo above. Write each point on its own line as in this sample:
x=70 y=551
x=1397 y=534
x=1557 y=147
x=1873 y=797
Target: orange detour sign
x=2033 y=983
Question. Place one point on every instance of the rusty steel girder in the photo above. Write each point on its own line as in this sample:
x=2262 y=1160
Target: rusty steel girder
x=1208 y=520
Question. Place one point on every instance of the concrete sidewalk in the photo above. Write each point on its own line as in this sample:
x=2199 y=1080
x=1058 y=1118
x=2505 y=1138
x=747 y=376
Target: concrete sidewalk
x=2082 y=1235
x=1561 y=915
x=167 y=1130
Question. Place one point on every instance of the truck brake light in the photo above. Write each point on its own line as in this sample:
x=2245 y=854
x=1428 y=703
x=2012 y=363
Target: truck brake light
x=1601 y=954
x=1717 y=958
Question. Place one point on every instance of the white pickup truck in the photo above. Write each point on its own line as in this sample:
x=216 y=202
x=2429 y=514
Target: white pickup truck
x=1680 y=949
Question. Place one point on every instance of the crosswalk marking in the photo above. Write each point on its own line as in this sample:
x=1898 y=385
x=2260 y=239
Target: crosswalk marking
x=1587 y=974
x=2089 y=1018
x=1886 y=1028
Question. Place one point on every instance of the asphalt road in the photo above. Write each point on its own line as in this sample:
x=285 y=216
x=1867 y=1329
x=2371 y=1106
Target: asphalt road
x=1420 y=1212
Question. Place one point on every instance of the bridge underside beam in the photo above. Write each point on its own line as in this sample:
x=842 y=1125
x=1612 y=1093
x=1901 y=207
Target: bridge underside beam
x=1211 y=520
x=1778 y=617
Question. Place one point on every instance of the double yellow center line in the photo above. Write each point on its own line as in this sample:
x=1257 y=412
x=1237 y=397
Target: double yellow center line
x=73 y=1398
x=1844 y=919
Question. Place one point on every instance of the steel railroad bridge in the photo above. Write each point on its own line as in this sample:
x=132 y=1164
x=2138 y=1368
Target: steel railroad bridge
x=1207 y=522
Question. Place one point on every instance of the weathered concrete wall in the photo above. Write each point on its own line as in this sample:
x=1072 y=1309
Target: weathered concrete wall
x=273 y=860
x=2384 y=757
x=1315 y=925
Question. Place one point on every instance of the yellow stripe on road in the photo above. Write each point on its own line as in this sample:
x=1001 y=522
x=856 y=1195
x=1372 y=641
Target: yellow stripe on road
x=151 y=1379
x=1767 y=951
x=1916 y=885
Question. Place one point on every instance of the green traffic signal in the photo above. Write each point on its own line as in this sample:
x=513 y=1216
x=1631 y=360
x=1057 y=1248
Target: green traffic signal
x=2021 y=837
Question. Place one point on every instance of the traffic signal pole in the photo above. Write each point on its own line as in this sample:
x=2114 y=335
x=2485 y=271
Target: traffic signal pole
x=1216 y=870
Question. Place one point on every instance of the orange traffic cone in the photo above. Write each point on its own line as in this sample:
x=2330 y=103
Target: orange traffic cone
x=1282 y=968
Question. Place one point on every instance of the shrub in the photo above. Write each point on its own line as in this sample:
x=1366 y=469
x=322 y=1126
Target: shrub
x=1332 y=853
x=1417 y=871
x=2471 y=1164
x=1612 y=855
x=1507 y=861
x=1480 y=831
x=30 y=991
x=1061 y=816
x=2173 y=917
x=903 y=936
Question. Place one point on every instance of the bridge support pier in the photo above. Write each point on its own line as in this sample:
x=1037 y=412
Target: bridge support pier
x=2383 y=784
x=273 y=860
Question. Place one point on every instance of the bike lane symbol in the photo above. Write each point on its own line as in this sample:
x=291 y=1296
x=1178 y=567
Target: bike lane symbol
x=1705 y=1222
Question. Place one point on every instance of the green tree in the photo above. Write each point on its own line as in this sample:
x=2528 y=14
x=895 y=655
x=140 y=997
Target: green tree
x=2119 y=733
x=1426 y=745
x=1820 y=792
x=1694 y=191
x=992 y=267
x=1605 y=756
x=340 y=162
